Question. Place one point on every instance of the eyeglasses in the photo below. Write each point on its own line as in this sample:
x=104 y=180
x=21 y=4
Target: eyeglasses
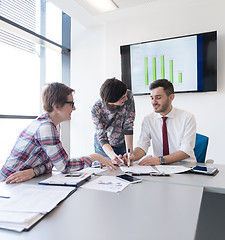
x=71 y=103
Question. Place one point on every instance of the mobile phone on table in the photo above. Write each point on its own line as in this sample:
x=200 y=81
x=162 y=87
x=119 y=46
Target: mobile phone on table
x=204 y=170
x=129 y=178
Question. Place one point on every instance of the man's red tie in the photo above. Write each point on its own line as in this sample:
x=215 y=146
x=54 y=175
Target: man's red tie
x=165 y=138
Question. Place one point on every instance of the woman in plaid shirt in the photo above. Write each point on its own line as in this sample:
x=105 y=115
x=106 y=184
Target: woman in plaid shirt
x=113 y=116
x=38 y=148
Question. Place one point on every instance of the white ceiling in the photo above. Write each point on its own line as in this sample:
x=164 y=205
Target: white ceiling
x=88 y=17
x=121 y=4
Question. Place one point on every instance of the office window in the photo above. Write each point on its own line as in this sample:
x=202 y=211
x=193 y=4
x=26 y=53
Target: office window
x=34 y=45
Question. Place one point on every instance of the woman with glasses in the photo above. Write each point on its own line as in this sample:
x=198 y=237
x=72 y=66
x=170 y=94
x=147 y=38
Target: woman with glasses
x=113 y=116
x=38 y=148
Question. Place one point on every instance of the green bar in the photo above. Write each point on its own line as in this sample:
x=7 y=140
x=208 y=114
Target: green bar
x=180 y=77
x=171 y=71
x=146 y=71
x=154 y=68
x=162 y=68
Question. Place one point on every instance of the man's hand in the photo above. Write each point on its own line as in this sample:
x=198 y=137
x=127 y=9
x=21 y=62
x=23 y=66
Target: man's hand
x=20 y=176
x=150 y=161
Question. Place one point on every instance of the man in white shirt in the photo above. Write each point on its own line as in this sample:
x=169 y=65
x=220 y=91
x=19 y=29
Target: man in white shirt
x=181 y=129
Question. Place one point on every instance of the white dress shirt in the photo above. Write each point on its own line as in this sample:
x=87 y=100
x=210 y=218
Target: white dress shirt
x=181 y=130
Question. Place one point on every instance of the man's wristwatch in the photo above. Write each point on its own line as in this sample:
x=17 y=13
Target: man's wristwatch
x=162 y=160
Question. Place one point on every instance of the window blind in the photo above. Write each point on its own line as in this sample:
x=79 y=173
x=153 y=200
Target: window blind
x=24 y=13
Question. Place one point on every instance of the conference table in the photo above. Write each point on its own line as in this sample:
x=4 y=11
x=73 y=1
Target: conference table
x=183 y=206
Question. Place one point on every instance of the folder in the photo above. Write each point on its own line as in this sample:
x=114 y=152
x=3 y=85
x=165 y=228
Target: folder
x=72 y=180
x=25 y=207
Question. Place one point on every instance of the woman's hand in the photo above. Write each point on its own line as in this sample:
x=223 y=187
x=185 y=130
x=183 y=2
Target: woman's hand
x=117 y=159
x=103 y=161
x=20 y=176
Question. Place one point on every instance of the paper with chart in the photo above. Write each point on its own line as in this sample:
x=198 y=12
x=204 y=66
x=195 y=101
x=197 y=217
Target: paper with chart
x=138 y=169
x=106 y=183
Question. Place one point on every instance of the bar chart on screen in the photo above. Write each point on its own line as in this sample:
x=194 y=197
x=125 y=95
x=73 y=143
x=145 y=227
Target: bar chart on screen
x=177 y=78
x=175 y=60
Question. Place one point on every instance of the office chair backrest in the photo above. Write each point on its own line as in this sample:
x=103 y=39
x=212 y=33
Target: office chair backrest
x=201 y=144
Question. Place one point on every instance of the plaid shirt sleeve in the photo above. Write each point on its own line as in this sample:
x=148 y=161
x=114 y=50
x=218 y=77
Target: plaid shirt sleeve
x=48 y=138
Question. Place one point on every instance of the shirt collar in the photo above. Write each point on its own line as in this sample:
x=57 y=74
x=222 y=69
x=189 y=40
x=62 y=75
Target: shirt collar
x=169 y=115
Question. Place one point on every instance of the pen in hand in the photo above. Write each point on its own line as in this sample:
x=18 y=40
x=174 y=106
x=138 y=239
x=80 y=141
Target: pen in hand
x=128 y=157
x=121 y=160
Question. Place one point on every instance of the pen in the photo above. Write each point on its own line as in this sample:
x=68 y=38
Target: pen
x=121 y=160
x=99 y=166
x=151 y=174
x=128 y=156
x=4 y=197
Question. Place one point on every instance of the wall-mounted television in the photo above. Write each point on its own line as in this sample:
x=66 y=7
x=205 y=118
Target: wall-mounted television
x=189 y=62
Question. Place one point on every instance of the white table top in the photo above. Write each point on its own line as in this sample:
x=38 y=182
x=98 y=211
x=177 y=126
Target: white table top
x=157 y=208
x=141 y=211
x=209 y=183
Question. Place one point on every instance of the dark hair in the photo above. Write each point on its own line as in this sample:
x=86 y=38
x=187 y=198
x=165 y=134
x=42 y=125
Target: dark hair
x=55 y=93
x=167 y=86
x=112 y=90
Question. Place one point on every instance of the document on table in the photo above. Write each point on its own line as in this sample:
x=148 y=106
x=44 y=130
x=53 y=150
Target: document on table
x=138 y=169
x=106 y=183
x=29 y=203
x=34 y=198
x=18 y=221
x=4 y=192
x=171 y=169
x=165 y=169
x=94 y=170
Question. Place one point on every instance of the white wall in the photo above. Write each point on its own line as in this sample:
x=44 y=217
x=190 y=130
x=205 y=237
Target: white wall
x=96 y=56
x=87 y=74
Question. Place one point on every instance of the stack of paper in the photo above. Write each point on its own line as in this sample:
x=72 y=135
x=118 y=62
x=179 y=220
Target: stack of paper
x=26 y=204
x=18 y=221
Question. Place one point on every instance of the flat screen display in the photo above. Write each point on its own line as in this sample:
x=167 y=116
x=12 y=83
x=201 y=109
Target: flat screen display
x=189 y=62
